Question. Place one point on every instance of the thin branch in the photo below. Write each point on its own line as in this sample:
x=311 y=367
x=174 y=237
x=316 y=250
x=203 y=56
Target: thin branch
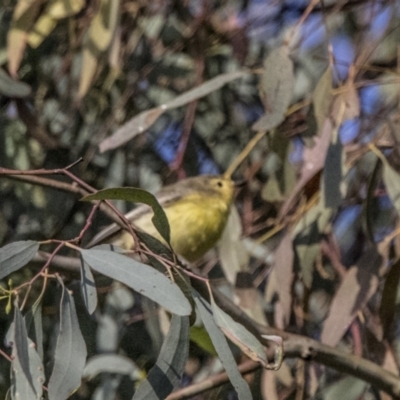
x=212 y=382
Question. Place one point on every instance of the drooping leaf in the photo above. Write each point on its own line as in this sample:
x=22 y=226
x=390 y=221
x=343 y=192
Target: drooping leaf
x=346 y=104
x=15 y=255
x=222 y=348
x=159 y=219
x=141 y=122
x=239 y=335
x=88 y=288
x=34 y=326
x=70 y=352
x=167 y=373
x=140 y=277
x=113 y=364
x=27 y=368
x=276 y=88
x=357 y=287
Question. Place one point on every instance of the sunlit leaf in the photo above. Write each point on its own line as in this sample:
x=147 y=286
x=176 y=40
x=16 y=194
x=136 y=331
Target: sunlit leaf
x=23 y=19
x=322 y=98
x=15 y=255
x=101 y=32
x=140 y=277
x=70 y=352
x=167 y=373
x=55 y=10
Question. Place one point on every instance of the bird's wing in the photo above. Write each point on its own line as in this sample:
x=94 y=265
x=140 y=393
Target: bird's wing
x=114 y=228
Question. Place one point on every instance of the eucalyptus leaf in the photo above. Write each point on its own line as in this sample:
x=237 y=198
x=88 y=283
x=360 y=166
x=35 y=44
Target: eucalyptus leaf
x=27 y=369
x=222 y=348
x=140 y=277
x=88 y=288
x=276 y=88
x=70 y=352
x=15 y=255
x=167 y=373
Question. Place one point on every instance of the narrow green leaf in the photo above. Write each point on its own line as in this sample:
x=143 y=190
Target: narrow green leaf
x=88 y=288
x=222 y=348
x=15 y=255
x=140 y=277
x=33 y=322
x=70 y=352
x=159 y=219
x=27 y=369
x=166 y=375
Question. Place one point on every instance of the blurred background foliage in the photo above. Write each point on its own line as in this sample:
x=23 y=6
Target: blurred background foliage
x=72 y=72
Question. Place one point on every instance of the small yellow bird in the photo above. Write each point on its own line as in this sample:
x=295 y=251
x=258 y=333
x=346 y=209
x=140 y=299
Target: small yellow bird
x=197 y=210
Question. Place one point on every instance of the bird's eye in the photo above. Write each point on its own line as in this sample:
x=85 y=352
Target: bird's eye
x=219 y=184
